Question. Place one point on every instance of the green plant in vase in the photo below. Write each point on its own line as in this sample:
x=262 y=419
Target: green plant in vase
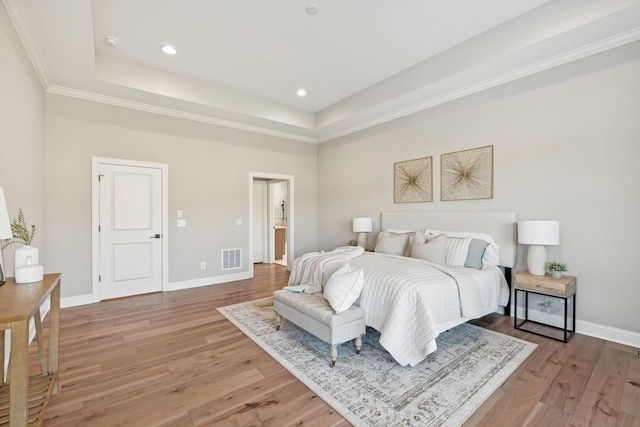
x=26 y=259
x=21 y=232
x=556 y=268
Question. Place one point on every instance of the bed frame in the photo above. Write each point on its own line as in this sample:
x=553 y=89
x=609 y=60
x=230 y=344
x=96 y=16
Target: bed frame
x=500 y=225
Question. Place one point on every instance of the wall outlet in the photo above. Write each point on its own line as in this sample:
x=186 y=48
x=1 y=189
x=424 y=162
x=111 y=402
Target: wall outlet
x=182 y=223
x=203 y=265
x=636 y=352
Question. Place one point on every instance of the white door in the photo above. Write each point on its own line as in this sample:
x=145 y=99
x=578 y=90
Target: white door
x=259 y=221
x=130 y=230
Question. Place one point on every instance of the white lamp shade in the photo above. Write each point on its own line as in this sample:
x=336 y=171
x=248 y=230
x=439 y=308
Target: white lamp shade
x=539 y=232
x=5 y=222
x=362 y=225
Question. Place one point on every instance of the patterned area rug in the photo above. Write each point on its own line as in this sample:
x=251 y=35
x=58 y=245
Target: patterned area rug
x=370 y=388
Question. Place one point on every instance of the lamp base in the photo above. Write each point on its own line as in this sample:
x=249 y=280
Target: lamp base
x=2 y=272
x=536 y=260
x=362 y=240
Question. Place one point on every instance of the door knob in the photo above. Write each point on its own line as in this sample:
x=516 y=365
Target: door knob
x=157 y=236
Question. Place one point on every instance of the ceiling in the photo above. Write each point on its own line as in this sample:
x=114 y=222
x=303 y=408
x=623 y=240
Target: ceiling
x=239 y=63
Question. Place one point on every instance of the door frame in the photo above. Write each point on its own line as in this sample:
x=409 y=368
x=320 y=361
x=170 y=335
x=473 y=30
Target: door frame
x=290 y=216
x=95 y=217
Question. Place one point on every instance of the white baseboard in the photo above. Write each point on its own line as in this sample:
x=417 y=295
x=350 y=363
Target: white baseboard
x=609 y=333
x=583 y=327
x=76 y=300
x=205 y=281
x=174 y=286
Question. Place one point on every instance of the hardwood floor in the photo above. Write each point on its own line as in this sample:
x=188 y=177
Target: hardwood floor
x=171 y=359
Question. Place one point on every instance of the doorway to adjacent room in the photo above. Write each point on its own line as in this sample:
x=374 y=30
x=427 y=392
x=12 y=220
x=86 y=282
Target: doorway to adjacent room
x=271 y=218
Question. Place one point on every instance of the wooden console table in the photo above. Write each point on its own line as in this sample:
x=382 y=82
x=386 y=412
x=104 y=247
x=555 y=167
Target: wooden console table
x=26 y=396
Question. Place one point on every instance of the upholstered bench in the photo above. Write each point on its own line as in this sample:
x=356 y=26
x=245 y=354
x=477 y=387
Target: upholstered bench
x=313 y=313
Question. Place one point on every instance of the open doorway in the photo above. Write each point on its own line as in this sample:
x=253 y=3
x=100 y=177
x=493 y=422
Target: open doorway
x=279 y=203
x=271 y=218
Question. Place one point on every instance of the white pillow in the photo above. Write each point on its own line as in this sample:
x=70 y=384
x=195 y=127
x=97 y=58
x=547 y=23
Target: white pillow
x=456 y=252
x=343 y=288
x=430 y=248
x=491 y=254
x=411 y=233
x=392 y=243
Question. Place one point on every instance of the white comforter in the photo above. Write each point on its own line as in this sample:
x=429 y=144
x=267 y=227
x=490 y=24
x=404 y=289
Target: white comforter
x=315 y=268
x=410 y=301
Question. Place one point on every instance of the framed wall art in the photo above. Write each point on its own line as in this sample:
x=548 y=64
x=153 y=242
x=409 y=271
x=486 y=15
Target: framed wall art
x=467 y=174
x=413 y=181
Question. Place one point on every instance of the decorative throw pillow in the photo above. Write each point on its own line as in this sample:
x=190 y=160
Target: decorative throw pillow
x=407 y=249
x=343 y=288
x=392 y=243
x=491 y=254
x=456 y=252
x=429 y=248
x=477 y=247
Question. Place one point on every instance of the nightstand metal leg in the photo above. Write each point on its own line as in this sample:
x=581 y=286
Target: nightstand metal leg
x=566 y=315
x=515 y=308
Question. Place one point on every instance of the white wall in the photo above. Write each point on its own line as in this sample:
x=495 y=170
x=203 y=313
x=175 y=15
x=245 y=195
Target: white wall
x=208 y=180
x=21 y=137
x=566 y=147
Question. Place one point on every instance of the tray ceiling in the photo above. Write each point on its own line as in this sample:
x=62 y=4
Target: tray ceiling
x=240 y=63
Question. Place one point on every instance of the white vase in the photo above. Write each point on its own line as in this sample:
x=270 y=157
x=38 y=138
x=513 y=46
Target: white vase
x=25 y=256
x=556 y=274
x=27 y=265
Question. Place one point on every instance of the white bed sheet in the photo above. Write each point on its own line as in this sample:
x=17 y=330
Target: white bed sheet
x=410 y=301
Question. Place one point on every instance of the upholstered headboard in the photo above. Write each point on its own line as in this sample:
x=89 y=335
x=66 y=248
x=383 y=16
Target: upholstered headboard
x=501 y=225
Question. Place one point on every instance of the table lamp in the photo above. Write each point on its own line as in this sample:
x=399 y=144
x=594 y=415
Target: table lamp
x=362 y=226
x=5 y=231
x=537 y=234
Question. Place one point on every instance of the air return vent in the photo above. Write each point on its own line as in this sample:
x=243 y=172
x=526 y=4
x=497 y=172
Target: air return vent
x=231 y=259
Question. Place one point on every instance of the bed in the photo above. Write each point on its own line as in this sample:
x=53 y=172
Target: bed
x=409 y=300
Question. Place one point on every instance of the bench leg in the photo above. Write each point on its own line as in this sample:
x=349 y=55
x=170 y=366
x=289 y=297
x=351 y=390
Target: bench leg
x=333 y=354
x=358 y=344
x=278 y=321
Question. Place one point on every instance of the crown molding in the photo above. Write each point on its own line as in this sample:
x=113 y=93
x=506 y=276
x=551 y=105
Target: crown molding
x=20 y=23
x=396 y=108
x=134 y=105
x=519 y=73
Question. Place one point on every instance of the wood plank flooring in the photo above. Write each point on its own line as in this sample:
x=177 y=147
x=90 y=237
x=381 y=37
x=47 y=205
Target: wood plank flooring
x=171 y=359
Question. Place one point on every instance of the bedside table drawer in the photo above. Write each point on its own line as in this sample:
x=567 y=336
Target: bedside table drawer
x=563 y=287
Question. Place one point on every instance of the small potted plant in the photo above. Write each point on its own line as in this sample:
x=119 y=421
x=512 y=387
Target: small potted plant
x=556 y=268
x=27 y=266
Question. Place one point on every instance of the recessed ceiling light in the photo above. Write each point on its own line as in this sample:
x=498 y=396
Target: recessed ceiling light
x=169 y=50
x=112 y=41
x=301 y=92
x=312 y=9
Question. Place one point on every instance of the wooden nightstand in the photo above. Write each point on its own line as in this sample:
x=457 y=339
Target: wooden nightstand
x=564 y=288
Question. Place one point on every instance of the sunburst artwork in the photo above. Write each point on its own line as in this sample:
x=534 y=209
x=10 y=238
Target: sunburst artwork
x=467 y=174
x=412 y=181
